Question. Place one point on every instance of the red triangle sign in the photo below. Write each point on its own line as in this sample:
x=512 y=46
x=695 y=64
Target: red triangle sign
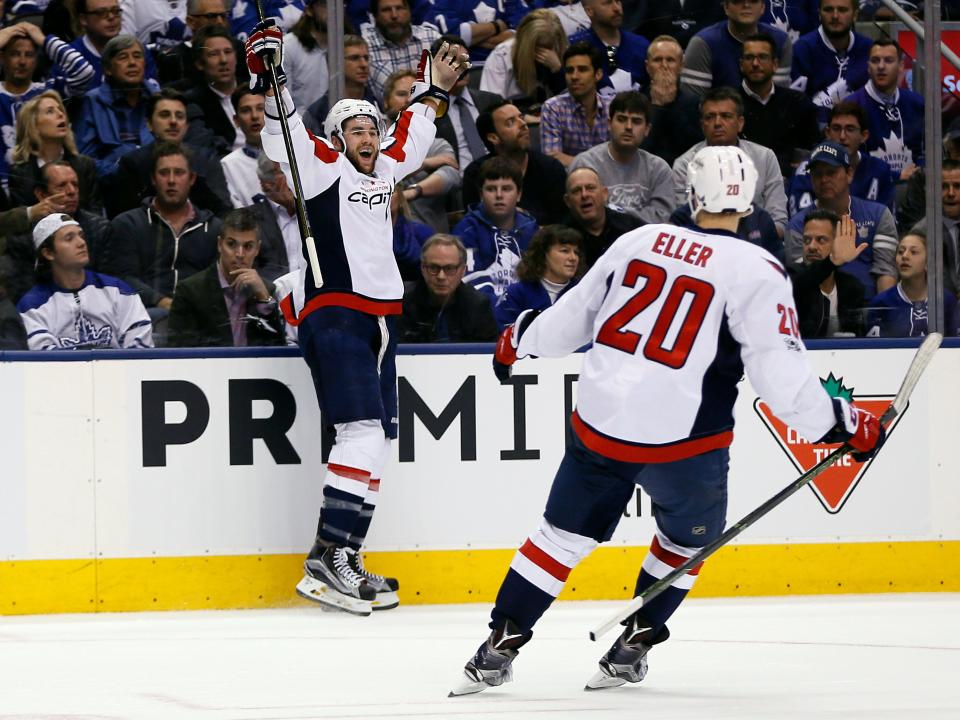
x=835 y=484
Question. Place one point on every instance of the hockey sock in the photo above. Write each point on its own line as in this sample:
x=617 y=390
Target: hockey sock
x=537 y=574
x=344 y=490
x=362 y=524
x=663 y=557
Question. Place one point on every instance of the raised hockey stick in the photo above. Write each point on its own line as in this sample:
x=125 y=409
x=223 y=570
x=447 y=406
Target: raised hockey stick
x=302 y=220
x=920 y=361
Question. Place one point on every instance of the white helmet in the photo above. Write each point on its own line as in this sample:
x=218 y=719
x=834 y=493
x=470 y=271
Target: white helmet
x=721 y=179
x=346 y=109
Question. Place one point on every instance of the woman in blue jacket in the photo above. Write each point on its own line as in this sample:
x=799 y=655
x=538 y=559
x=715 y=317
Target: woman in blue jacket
x=549 y=267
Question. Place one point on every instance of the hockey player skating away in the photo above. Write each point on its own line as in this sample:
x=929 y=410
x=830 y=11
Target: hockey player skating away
x=346 y=326
x=675 y=316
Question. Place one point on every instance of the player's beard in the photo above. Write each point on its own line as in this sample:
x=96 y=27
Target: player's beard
x=360 y=163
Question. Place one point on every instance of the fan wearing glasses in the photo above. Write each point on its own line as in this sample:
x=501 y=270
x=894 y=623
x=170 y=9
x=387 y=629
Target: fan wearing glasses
x=100 y=21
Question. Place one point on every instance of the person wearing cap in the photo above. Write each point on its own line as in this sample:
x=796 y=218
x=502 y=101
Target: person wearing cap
x=830 y=173
x=872 y=177
x=72 y=307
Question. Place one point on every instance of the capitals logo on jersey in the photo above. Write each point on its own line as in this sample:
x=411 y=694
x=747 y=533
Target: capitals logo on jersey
x=834 y=486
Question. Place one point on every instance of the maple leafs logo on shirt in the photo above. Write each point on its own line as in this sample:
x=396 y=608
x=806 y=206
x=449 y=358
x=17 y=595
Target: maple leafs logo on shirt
x=894 y=152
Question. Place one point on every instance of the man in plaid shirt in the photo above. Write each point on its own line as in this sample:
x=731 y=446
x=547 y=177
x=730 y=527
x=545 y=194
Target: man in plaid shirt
x=576 y=120
x=394 y=42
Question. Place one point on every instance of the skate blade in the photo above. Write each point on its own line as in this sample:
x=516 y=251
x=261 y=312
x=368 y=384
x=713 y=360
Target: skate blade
x=386 y=601
x=468 y=687
x=329 y=599
x=602 y=681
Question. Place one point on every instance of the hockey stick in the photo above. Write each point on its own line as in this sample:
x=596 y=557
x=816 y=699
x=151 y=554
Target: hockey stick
x=302 y=220
x=917 y=366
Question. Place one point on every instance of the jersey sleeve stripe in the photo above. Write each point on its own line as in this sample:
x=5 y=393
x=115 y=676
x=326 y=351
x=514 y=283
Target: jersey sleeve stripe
x=397 y=149
x=636 y=453
x=322 y=150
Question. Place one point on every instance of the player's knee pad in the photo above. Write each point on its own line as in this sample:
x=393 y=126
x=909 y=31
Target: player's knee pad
x=565 y=547
x=359 y=445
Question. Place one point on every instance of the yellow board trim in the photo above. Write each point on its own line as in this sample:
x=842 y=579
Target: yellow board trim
x=462 y=576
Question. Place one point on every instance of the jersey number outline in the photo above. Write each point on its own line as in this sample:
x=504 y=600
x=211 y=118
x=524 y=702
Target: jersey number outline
x=613 y=333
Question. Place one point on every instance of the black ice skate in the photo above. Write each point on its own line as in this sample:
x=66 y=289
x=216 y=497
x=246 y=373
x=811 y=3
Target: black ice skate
x=491 y=666
x=626 y=660
x=385 y=587
x=330 y=581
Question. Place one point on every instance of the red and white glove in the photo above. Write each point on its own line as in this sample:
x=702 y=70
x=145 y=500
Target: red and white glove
x=859 y=428
x=424 y=87
x=265 y=44
x=505 y=354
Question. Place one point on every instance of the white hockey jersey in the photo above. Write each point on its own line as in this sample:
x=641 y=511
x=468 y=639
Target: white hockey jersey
x=349 y=212
x=104 y=313
x=675 y=315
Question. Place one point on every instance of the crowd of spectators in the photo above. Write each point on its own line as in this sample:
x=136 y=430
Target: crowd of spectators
x=137 y=208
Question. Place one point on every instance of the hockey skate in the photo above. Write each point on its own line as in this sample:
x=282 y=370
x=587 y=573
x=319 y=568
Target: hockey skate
x=626 y=660
x=491 y=666
x=385 y=587
x=331 y=581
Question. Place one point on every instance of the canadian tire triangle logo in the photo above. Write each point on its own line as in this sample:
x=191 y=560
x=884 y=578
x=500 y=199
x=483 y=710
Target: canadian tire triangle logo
x=835 y=485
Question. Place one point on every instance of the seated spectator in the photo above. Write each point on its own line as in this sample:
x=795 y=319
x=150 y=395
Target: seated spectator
x=155 y=246
x=586 y=198
x=408 y=236
x=950 y=199
x=895 y=114
x=229 y=304
x=711 y=59
x=471 y=20
x=356 y=84
x=831 y=62
x=757 y=228
x=527 y=68
x=638 y=182
x=781 y=119
x=240 y=166
x=395 y=42
x=73 y=308
x=623 y=52
x=19 y=45
x=305 y=55
x=175 y=64
x=459 y=125
x=902 y=310
x=575 y=120
x=831 y=174
x=506 y=135
x=43 y=136
x=167 y=121
x=276 y=213
x=99 y=22
x=426 y=191
x=358 y=11
x=721 y=118
x=215 y=56
x=441 y=307
x=60 y=186
x=495 y=232
x=113 y=117
x=872 y=177
x=548 y=268
x=829 y=301
x=674 y=111
x=155 y=23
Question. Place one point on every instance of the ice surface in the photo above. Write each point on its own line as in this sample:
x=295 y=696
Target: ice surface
x=891 y=656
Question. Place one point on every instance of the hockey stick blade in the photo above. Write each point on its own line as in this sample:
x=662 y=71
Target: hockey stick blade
x=919 y=363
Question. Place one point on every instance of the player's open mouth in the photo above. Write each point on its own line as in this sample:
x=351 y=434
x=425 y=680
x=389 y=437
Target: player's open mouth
x=366 y=153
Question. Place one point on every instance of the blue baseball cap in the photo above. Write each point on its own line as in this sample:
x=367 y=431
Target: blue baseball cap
x=831 y=153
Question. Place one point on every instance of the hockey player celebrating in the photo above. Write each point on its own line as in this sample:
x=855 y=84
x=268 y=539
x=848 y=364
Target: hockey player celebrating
x=674 y=315
x=346 y=320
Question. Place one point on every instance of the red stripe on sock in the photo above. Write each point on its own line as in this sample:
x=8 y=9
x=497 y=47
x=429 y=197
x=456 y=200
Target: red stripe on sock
x=671 y=558
x=349 y=472
x=543 y=560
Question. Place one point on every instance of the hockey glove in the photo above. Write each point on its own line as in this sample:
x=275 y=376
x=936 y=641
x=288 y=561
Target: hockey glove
x=424 y=86
x=857 y=427
x=264 y=45
x=505 y=354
